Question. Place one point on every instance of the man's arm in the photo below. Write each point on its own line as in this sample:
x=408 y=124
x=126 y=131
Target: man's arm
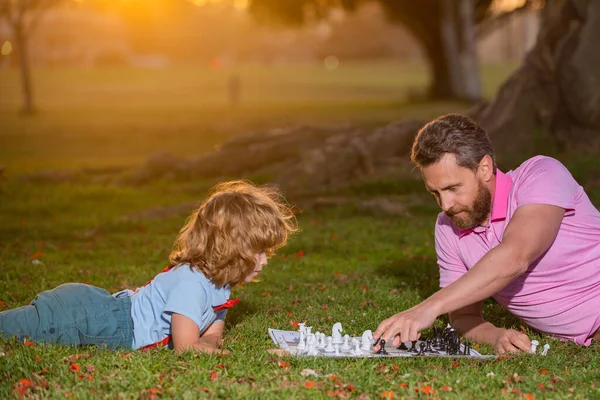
x=186 y=335
x=470 y=323
x=528 y=235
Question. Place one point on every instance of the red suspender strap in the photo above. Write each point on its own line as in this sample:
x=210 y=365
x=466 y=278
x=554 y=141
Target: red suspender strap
x=228 y=304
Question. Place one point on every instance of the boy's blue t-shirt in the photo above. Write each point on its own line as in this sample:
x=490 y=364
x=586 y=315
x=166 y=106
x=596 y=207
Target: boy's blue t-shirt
x=181 y=290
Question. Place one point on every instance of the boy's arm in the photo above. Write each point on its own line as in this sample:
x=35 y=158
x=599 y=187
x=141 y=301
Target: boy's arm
x=186 y=335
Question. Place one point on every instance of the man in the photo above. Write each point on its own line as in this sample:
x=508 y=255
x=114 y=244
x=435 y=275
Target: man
x=529 y=238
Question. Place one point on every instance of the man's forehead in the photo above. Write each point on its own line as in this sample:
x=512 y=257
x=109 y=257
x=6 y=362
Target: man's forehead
x=446 y=172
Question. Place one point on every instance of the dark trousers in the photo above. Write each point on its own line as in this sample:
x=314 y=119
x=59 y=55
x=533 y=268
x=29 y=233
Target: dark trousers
x=73 y=314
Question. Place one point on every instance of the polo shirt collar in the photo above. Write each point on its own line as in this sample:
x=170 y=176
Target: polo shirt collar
x=500 y=204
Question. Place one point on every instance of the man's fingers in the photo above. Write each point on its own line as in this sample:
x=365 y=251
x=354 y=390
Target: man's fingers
x=382 y=327
x=522 y=342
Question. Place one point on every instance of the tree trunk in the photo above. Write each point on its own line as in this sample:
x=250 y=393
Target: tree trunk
x=451 y=49
x=23 y=55
x=556 y=91
x=468 y=54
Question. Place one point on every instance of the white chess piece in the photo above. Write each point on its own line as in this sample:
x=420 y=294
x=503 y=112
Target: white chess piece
x=301 y=327
x=357 y=351
x=307 y=330
x=321 y=344
x=336 y=333
x=367 y=340
x=534 y=345
x=302 y=343
x=346 y=346
x=546 y=348
x=312 y=350
x=336 y=348
x=329 y=348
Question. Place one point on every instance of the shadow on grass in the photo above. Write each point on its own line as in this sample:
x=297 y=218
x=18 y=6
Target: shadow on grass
x=237 y=314
x=421 y=274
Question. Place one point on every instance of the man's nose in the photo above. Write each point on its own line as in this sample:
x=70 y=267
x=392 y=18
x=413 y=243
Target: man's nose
x=446 y=203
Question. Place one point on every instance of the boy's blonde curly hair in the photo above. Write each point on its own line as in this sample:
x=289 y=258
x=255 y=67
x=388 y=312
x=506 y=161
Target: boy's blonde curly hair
x=236 y=222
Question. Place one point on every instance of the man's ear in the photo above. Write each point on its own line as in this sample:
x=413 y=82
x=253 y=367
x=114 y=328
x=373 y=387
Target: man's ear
x=486 y=168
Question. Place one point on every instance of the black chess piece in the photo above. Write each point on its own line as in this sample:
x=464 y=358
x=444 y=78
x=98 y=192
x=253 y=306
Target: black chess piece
x=402 y=346
x=413 y=348
x=442 y=346
x=422 y=347
x=382 y=350
x=467 y=351
x=429 y=348
x=437 y=338
x=377 y=341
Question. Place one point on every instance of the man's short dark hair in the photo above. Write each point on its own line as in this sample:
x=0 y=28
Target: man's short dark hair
x=455 y=134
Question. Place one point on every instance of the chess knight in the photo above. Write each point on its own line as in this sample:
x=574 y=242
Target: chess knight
x=529 y=238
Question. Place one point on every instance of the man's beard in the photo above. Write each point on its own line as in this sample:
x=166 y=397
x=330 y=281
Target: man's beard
x=477 y=214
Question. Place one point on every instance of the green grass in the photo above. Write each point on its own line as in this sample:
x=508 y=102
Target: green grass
x=93 y=118
x=356 y=268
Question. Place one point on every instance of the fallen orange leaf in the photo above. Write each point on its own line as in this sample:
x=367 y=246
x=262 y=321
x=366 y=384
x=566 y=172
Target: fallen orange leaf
x=388 y=395
x=309 y=384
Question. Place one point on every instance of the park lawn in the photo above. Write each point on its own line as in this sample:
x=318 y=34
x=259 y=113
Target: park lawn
x=346 y=265
x=117 y=117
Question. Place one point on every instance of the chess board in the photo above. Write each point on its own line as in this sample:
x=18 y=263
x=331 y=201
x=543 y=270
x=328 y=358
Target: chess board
x=288 y=340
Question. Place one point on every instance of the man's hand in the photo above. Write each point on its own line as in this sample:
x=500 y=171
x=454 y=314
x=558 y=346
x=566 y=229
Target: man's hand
x=511 y=341
x=406 y=326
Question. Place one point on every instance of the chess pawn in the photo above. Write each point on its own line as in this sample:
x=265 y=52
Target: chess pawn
x=336 y=349
x=346 y=346
x=413 y=348
x=534 y=345
x=546 y=348
x=402 y=346
x=329 y=348
x=357 y=351
x=381 y=348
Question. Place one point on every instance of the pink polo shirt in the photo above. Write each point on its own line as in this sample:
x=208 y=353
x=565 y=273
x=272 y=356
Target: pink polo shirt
x=560 y=292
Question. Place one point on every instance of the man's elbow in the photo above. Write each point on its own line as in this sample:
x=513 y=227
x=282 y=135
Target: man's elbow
x=518 y=266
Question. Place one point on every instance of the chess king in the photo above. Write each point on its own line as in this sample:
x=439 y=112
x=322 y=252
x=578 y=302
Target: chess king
x=529 y=238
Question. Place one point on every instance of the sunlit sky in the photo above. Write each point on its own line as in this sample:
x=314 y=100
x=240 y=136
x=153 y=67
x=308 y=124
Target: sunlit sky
x=499 y=5
x=241 y=4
